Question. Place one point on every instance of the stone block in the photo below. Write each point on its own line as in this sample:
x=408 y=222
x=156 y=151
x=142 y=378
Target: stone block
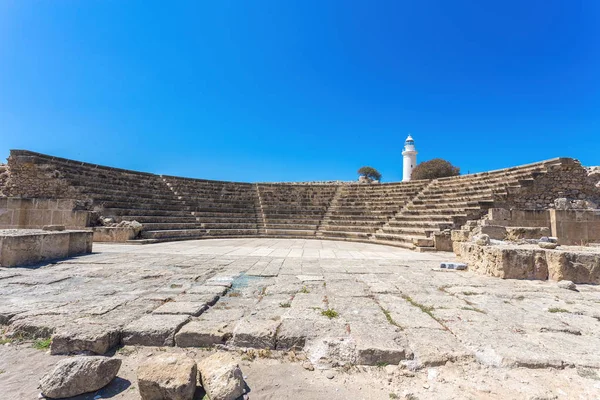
x=167 y=376
x=54 y=246
x=518 y=232
x=113 y=234
x=80 y=242
x=459 y=235
x=442 y=241
x=6 y=218
x=153 y=330
x=97 y=339
x=256 y=333
x=209 y=329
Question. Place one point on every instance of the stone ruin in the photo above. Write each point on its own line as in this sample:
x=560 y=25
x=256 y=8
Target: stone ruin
x=129 y=206
x=417 y=317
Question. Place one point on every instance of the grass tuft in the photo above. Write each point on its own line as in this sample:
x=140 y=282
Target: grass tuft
x=285 y=305
x=557 y=310
x=330 y=313
x=42 y=344
x=304 y=290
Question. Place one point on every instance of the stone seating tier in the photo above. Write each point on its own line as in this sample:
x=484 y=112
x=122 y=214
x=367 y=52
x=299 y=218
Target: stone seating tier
x=174 y=208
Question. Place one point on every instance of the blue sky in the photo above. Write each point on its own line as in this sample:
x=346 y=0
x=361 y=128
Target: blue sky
x=300 y=90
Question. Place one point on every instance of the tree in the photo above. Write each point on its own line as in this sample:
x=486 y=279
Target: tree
x=436 y=168
x=369 y=173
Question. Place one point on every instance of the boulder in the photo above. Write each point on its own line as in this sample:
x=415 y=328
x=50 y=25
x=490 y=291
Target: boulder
x=78 y=375
x=221 y=377
x=167 y=376
x=136 y=226
x=547 y=245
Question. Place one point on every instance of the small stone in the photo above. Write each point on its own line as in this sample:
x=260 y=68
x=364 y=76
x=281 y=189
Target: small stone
x=167 y=376
x=221 y=377
x=482 y=240
x=569 y=285
x=308 y=366
x=547 y=245
x=78 y=375
x=329 y=375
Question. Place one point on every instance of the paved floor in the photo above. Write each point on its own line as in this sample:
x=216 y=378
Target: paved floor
x=339 y=303
x=308 y=294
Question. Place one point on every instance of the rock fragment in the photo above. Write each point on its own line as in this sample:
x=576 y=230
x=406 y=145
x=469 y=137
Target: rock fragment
x=569 y=285
x=167 y=376
x=78 y=375
x=221 y=377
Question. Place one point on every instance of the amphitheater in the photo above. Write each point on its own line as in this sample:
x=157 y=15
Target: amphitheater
x=318 y=276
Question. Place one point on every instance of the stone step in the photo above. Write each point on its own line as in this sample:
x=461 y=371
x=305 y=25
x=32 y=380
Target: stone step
x=228 y=225
x=290 y=232
x=175 y=233
x=307 y=227
x=156 y=218
x=156 y=226
x=345 y=234
x=354 y=228
x=137 y=212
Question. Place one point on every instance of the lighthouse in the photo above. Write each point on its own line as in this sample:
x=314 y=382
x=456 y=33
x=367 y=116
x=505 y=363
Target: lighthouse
x=410 y=158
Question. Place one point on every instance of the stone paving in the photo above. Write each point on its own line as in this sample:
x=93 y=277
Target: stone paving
x=341 y=303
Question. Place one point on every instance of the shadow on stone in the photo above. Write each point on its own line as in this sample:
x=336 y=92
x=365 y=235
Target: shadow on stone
x=115 y=387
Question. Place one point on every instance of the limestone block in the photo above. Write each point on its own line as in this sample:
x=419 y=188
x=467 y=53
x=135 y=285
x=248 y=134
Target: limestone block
x=516 y=232
x=442 y=241
x=256 y=333
x=93 y=338
x=209 y=329
x=576 y=267
x=498 y=214
x=221 y=377
x=459 y=235
x=20 y=250
x=80 y=242
x=167 y=376
x=492 y=231
x=78 y=375
x=153 y=330
x=113 y=234
x=503 y=262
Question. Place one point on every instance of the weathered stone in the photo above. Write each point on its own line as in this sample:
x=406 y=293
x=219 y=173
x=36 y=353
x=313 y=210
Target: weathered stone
x=221 y=377
x=93 y=338
x=257 y=333
x=482 y=240
x=211 y=328
x=167 y=377
x=547 y=245
x=153 y=330
x=78 y=375
x=566 y=285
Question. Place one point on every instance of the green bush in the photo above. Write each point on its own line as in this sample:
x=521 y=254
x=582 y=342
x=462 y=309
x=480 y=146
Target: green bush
x=433 y=169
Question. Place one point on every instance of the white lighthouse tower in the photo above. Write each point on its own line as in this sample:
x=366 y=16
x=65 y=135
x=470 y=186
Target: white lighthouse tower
x=410 y=158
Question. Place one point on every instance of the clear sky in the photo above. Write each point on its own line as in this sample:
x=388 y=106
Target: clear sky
x=300 y=90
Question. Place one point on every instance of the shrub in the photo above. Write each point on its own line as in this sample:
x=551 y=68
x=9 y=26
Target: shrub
x=433 y=169
x=369 y=173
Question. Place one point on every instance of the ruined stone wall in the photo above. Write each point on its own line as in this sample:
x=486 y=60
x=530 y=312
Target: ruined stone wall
x=566 y=178
x=3 y=178
x=34 y=175
x=20 y=213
